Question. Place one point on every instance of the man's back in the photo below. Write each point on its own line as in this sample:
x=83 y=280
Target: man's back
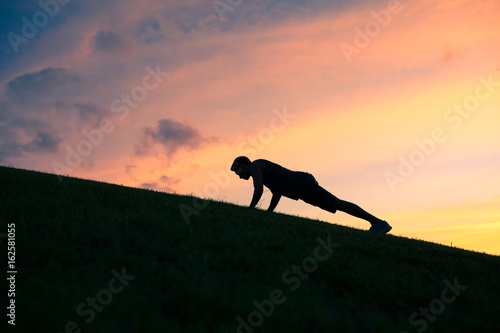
x=279 y=179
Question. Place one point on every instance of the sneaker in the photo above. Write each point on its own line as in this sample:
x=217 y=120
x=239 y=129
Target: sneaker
x=381 y=228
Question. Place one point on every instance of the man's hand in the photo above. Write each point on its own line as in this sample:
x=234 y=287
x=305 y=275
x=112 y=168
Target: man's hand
x=274 y=202
x=258 y=183
x=257 y=194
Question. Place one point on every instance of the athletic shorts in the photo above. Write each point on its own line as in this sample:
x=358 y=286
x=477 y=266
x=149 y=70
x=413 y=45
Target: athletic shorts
x=310 y=192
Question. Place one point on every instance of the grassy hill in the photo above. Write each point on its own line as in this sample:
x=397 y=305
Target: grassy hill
x=96 y=257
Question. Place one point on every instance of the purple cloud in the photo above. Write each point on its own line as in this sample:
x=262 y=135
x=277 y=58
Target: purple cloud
x=110 y=42
x=171 y=135
x=42 y=83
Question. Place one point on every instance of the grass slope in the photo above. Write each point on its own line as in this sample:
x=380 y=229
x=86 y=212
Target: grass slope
x=228 y=265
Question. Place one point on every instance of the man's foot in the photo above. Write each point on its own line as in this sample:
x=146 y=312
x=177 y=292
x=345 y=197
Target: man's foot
x=381 y=227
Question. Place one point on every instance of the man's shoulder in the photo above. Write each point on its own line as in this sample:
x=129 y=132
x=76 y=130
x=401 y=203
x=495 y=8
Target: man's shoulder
x=263 y=164
x=260 y=163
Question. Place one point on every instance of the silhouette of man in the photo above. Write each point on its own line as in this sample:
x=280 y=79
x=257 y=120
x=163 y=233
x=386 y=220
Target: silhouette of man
x=297 y=185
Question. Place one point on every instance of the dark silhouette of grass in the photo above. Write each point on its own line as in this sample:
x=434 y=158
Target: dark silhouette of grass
x=228 y=265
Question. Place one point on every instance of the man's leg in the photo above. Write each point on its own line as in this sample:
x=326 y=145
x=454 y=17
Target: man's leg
x=327 y=201
x=356 y=211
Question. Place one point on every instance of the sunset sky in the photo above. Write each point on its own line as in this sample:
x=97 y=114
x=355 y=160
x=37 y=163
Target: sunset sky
x=393 y=105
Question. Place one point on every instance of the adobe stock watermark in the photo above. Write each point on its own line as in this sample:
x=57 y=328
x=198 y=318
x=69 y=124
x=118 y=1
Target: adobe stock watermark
x=40 y=19
x=221 y=7
x=372 y=29
x=436 y=307
x=249 y=147
x=87 y=310
x=292 y=279
x=120 y=107
x=454 y=117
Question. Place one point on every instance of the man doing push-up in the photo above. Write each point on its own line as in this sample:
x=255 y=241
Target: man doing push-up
x=297 y=185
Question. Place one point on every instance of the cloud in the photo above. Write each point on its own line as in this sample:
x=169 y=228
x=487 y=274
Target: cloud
x=112 y=43
x=169 y=180
x=150 y=186
x=42 y=83
x=20 y=136
x=168 y=183
x=26 y=130
x=90 y=112
x=165 y=184
x=39 y=110
x=171 y=135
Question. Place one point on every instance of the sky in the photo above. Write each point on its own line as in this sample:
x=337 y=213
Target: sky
x=392 y=105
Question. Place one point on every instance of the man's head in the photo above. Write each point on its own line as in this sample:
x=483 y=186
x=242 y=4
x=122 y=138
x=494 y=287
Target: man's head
x=241 y=166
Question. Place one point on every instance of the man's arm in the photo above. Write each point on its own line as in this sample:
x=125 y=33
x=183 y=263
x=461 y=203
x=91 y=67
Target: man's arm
x=274 y=202
x=258 y=184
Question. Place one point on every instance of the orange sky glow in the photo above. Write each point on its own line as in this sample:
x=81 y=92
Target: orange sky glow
x=393 y=105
